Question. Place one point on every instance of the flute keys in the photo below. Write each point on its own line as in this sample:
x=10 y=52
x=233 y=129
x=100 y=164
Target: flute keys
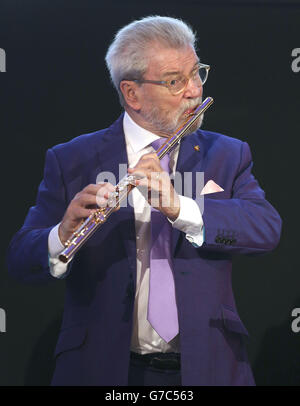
x=114 y=194
x=130 y=180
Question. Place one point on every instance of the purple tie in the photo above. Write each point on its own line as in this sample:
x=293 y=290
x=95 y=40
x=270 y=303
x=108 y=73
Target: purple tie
x=162 y=309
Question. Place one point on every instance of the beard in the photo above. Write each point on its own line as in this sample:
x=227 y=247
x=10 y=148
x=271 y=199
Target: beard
x=167 y=123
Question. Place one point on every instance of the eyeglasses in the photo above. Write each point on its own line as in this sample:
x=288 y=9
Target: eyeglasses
x=178 y=83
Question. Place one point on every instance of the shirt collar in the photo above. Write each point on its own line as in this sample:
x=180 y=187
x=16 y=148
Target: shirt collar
x=137 y=136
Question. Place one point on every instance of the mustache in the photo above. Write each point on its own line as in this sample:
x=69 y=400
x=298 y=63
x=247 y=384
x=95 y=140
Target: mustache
x=190 y=104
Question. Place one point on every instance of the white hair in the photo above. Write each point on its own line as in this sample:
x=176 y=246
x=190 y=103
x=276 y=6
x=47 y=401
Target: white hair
x=126 y=56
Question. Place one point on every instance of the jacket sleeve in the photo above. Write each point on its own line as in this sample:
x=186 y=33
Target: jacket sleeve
x=27 y=258
x=246 y=223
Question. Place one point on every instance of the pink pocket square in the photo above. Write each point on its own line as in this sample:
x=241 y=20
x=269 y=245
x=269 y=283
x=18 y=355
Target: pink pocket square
x=211 y=187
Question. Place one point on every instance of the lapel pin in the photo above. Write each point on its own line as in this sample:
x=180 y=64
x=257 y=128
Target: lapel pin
x=196 y=148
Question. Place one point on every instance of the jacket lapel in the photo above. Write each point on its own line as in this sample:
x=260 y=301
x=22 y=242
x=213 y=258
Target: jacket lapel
x=112 y=153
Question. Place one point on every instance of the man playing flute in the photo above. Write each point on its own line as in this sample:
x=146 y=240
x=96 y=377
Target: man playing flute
x=149 y=297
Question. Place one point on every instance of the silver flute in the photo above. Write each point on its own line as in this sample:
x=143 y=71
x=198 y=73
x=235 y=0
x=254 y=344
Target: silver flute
x=123 y=188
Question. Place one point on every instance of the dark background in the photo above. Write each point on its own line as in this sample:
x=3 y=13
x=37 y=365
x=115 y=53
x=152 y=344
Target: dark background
x=56 y=87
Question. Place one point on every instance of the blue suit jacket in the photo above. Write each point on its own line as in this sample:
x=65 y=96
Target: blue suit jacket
x=94 y=342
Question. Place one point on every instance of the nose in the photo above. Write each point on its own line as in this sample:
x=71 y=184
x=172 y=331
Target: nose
x=193 y=89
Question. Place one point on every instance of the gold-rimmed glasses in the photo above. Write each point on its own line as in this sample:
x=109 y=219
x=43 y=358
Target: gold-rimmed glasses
x=179 y=82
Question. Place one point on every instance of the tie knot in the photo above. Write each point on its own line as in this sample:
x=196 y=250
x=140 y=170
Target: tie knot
x=164 y=162
x=158 y=143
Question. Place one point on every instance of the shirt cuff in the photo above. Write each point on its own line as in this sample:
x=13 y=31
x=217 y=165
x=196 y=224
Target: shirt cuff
x=58 y=269
x=190 y=221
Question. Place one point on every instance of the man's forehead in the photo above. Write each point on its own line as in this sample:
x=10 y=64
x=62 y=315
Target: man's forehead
x=164 y=59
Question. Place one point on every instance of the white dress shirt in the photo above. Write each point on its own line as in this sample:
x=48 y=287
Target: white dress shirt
x=144 y=337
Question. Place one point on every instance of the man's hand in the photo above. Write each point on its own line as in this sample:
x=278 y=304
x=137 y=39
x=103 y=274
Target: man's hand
x=82 y=206
x=157 y=185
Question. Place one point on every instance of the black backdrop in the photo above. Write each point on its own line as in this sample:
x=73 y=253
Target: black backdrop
x=56 y=87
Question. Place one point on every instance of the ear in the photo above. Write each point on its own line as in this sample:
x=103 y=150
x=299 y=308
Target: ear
x=131 y=94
